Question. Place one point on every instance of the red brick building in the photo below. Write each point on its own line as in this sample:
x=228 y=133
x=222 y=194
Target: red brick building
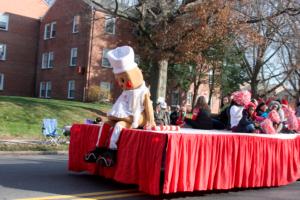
x=67 y=49
x=19 y=21
x=73 y=42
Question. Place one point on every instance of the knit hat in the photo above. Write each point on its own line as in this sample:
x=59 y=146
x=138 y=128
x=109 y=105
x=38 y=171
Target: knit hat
x=121 y=59
x=241 y=97
x=250 y=104
x=163 y=105
x=275 y=103
x=284 y=102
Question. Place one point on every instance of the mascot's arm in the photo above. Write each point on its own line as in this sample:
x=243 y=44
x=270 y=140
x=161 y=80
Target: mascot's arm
x=149 y=110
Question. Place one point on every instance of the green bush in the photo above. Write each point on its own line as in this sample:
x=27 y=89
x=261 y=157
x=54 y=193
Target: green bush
x=94 y=93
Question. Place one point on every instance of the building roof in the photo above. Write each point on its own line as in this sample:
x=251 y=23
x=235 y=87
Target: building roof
x=28 y=8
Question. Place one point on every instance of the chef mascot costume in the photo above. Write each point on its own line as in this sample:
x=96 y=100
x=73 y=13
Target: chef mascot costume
x=132 y=109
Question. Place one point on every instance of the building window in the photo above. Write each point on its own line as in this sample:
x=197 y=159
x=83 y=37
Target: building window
x=4 y=18
x=105 y=88
x=51 y=59
x=53 y=29
x=42 y=89
x=71 y=89
x=47 y=60
x=189 y=98
x=110 y=24
x=47 y=31
x=2 y=51
x=50 y=30
x=175 y=98
x=105 y=61
x=1 y=81
x=73 y=59
x=76 y=20
x=45 y=89
x=48 y=89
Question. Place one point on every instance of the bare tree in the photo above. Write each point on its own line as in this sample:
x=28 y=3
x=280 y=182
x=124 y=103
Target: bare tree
x=291 y=61
x=171 y=30
x=178 y=30
x=271 y=31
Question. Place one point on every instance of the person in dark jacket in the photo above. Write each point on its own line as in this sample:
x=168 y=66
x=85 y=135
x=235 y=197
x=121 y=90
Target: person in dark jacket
x=261 y=110
x=203 y=120
x=223 y=114
x=246 y=124
x=161 y=115
x=174 y=115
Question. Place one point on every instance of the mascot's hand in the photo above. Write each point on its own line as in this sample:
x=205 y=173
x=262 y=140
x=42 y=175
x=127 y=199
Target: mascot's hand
x=150 y=124
x=134 y=125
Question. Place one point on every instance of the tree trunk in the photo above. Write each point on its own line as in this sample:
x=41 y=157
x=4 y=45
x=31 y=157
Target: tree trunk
x=254 y=92
x=298 y=93
x=159 y=77
x=195 y=91
x=211 y=86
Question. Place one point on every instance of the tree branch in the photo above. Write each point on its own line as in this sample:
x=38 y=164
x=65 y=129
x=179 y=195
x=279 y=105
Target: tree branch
x=271 y=56
x=115 y=12
x=273 y=76
x=289 y=11
x=288 y=91
x=281 y=83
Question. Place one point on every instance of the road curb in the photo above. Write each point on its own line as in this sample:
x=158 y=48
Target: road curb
x=33 y=152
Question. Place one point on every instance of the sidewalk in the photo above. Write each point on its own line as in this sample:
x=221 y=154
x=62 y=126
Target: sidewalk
x=13 y=147
x=34 y=153
x=20 y=141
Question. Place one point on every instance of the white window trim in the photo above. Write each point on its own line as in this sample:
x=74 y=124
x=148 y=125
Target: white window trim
x=47 y=55
x=191 y=98
x=50 y=55
x=69 y=89
x=48 y=83
x=106 y=88
x=45 y=31
x=49 y=25
x=105 y=50
x=107 y=19
x=74 y=23
x=51 y=32
x=41 y=88
x=105 y=83
x=4 y=55
x=72 y=56
x=2 y=82
x=44 y=56
x=7 y=22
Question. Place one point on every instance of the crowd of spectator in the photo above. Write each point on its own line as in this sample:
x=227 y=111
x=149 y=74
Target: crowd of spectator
x=238 y=113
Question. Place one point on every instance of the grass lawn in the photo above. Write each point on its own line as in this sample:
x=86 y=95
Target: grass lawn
x=21 y=117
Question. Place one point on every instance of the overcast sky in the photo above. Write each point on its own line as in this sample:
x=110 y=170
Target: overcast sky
x=49 y=1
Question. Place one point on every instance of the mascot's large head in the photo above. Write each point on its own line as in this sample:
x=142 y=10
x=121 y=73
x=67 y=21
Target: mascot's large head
x=128 y=75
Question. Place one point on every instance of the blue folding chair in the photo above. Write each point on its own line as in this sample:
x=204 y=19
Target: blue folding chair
x=89 y=121
x=51 y=131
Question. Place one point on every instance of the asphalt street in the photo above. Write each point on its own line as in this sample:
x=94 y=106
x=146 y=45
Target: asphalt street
x=45 y=177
